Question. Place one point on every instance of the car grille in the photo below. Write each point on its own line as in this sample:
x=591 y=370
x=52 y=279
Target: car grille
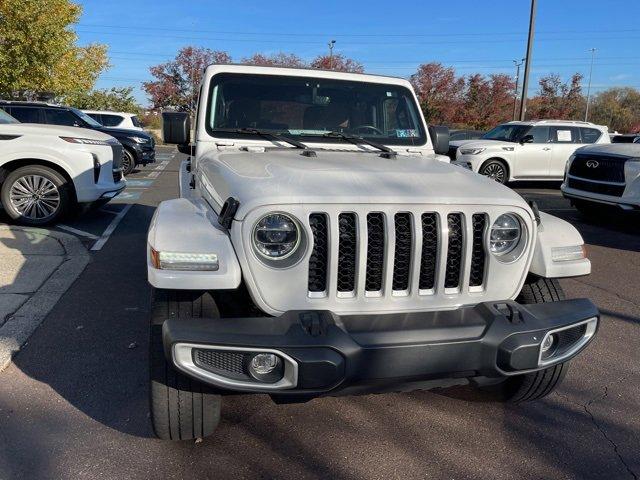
x=595 y=167
x=593 y=187
x=412 y=246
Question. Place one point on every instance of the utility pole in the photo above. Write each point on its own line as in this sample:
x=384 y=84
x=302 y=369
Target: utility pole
x=332 y=44
x=527 y=65
x=515 y=94
x=586 y=112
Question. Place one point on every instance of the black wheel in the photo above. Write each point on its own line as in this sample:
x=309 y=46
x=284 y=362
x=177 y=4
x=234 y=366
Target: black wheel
x=181 y=408
x=536 y=385
x=496 y=170
x=35 y=195
x=128 y=162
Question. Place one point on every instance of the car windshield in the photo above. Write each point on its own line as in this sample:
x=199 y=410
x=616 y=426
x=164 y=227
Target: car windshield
x=507 y=133
x=6 y=118
x=86 y=118
x=307 y=108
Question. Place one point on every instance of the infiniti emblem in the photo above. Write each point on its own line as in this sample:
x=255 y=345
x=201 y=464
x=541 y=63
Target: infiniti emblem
x=593 y=164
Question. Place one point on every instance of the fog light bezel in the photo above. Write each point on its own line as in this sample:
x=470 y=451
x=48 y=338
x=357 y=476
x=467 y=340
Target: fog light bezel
x=592 y=327
x=182 y=357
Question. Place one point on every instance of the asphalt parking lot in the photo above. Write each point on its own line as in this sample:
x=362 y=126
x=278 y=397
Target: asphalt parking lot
x=74 y=402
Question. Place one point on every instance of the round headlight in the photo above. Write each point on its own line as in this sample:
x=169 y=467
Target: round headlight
x=506 y=232
x=276 y=236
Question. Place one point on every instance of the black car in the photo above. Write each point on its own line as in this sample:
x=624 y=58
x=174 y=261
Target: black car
x=138 y=146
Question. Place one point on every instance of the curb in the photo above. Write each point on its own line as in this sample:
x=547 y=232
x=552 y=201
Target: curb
x=19 y=326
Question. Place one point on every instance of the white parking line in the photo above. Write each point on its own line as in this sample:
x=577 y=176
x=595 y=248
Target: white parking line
x=154 y=174
x=109 y=230
x=78 y=232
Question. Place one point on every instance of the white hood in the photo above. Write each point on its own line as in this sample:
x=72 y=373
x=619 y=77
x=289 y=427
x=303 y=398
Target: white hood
x=495 y=144
x=52 y=130
x=280 y=177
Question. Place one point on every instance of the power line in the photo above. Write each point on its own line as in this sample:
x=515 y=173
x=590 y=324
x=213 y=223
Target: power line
x=334 y=34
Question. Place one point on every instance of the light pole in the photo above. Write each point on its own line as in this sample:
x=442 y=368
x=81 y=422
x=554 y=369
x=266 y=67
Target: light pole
x=515 y=94
x=527 y=65
x=586 y=111
x=332 y=44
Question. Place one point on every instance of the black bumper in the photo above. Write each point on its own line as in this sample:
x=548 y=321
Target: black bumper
x=334 y=354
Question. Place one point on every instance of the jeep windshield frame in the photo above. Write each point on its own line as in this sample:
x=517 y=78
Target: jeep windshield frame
x=308 y=108
x=507 y=132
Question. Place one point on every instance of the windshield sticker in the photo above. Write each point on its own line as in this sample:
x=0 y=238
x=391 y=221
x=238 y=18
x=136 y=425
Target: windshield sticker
x=294 y=131
x=408 y=133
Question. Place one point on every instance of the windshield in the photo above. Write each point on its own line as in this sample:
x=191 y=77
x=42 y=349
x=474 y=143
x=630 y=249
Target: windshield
x=307 y=108
x=6 y=118
x=508 y=132
x=86 y=118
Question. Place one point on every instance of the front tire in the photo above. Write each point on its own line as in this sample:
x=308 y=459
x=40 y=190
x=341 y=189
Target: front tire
x=181 y=408
x=128 y=162
x=496 y=170
x=536 y=385
x=35 y=195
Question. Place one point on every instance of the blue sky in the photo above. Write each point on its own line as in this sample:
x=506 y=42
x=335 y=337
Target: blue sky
x=388 y=37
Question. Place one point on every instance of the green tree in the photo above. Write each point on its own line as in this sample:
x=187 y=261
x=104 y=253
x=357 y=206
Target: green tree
x=38 y=51
x=114 y=99
x=618 y=108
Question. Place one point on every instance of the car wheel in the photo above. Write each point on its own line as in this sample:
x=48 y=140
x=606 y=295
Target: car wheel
x=35 y=195
x=128 y=162
x=496 y=170
x=535 y=385
x=181 y=408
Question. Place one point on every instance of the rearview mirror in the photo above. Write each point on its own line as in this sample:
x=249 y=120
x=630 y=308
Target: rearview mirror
x=176 y=128
x=526 y=139
x=440 y=139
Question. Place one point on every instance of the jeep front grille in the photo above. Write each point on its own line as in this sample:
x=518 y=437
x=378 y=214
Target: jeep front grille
x=407 y=250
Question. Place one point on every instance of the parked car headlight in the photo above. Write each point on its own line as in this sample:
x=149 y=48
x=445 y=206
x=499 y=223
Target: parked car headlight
x=472 y=151
x=276 y=236
x=85 y=141
x=506 y=233
x=140 y=139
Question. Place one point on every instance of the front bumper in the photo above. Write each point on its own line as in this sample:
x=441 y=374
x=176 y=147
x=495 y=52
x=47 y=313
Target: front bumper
x=625 y=202
x=324 y=354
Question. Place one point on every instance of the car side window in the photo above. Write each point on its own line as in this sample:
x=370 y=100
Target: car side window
x=540 y=134
x=565 y=135
x=96 y=117
x=590 y=135
x=136 y=122
x=111 y=120
x=26 y=114
x=62 y=117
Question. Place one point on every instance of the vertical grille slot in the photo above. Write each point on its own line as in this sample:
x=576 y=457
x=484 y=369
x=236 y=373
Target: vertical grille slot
x=476 y=275
x=347 y=251
x=454 y=253
x=375 y=252
x=429 y=251
x=319 y=260
x=402 y=257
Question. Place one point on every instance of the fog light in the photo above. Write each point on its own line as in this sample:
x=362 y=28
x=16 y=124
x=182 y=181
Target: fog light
x=266 y=367
x=547 y=343
x=264 y=363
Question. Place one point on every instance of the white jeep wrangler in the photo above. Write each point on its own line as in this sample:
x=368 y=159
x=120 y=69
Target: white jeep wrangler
x=319 y=247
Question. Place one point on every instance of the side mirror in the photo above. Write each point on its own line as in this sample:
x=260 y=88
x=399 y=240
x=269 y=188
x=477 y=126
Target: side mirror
x=526 y=139
x=440 y=139
x=176 y=128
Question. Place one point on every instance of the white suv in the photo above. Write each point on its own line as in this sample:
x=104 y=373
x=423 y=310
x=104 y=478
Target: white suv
x=128 y=121
x=46 y=169
x=533 y=150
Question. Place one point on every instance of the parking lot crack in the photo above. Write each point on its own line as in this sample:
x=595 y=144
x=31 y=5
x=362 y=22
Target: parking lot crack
x=586 y=407
x=621 y=297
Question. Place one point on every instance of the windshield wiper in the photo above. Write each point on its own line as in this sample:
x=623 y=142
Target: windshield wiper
x=388 y=152
x=276 y=135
